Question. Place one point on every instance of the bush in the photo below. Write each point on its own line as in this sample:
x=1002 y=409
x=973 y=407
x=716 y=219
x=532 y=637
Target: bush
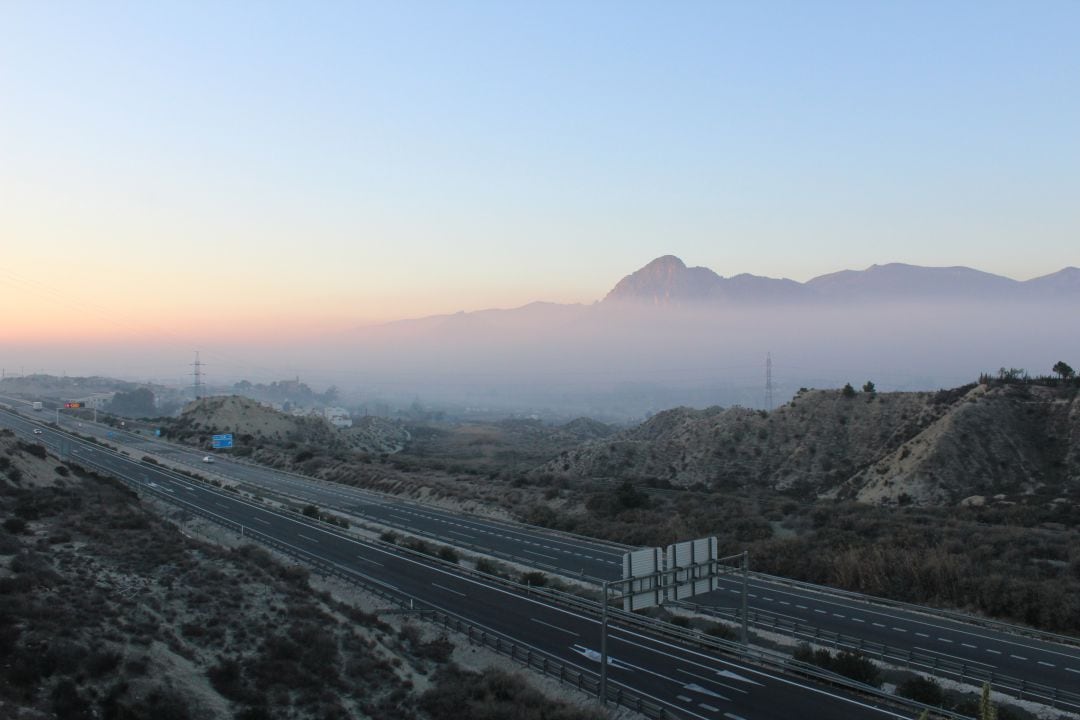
x=448 y=554
x=534 y=578
x=846 y=663
x=15 y=525
x=922 y=689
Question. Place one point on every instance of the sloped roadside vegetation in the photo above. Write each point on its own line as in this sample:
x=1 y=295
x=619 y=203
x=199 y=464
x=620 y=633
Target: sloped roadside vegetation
x=108 y=611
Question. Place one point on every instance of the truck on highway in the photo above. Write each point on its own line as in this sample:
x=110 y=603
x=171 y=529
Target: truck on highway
x=36 y=405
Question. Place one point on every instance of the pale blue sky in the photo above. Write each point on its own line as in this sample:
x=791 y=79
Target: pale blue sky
x=336 y=161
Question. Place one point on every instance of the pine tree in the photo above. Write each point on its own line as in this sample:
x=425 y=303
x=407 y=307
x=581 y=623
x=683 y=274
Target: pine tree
x=987 y=711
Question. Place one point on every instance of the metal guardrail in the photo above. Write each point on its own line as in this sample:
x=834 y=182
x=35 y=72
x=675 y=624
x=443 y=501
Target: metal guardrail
x=766 y=658
x=531 y=657
x=928 y=662
x=954 y=615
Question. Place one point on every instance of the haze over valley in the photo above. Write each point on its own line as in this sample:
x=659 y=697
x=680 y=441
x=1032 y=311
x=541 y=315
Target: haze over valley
x=546 y=361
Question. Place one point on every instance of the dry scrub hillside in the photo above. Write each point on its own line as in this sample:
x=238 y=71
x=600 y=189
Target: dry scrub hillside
x=927 y=447
x=506 y=446
x=253 y=424
x=108 y=611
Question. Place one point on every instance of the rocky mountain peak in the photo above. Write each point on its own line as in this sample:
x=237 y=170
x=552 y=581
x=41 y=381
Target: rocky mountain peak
x=665 y=281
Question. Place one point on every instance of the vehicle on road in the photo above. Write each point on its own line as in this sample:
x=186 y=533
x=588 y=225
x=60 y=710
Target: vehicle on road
x=208 y=459
x=37 y=431
x=36 y=405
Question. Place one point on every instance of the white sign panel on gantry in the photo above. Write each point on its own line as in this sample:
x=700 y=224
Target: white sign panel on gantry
x=692 y=568
x=642 y=568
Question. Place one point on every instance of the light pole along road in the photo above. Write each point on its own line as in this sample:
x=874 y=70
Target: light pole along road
x=940 y=643
x=687 y=682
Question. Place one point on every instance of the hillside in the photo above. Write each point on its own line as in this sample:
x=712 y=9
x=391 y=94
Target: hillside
x=253 y=424
x=107 y=610
x=923 y=448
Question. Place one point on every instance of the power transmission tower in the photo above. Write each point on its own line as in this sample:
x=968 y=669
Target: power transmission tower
x=198 y=374
x=768 y=381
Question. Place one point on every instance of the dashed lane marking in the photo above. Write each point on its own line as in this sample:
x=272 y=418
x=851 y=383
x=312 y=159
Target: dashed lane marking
x=309 y=539
x=556 y=627
x=710 y=708
x=1018 y=657
x=451 y=590
x=1046 y=664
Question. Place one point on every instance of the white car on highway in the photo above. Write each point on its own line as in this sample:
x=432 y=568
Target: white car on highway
x=37 y=431
x=208 y=459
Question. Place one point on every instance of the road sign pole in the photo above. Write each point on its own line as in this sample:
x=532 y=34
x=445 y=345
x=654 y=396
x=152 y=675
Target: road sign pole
x=603 y=649
x=745 y=572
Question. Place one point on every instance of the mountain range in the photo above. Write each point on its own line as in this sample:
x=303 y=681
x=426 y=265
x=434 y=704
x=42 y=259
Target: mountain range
x=668 y=281
x=669 y=335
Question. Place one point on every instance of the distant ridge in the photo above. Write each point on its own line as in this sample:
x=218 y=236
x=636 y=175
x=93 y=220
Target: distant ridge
x=668 y=281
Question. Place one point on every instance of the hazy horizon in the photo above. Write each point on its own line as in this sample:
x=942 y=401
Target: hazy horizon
x=254 y=182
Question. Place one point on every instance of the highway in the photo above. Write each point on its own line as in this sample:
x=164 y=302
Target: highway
x=688 y=683
x=938 y=645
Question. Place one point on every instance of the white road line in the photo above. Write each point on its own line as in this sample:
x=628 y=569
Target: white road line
x=922 y=634
x=955 y=657
x=944 y=639
x=259 y=519
x=531 y=552
x=684 y=698
x=443 y=587
x=857 y=620
x=899 y=629
x=309 y=539
x=710 y=708
x=968 y=645
x=1046 y=664
x=731 y=716
x=455 y=532
x=1018 y=657
x=364 y=559
x=712 y=681
x=553 y=627
x=996 y=652
x=839 y=615
x=1073 y=670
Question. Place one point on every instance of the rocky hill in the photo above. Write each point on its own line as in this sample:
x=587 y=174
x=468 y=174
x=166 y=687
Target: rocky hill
x=964 y=445
x=253 y=423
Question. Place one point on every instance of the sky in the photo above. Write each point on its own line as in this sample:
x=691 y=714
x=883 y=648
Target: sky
x=194 y=170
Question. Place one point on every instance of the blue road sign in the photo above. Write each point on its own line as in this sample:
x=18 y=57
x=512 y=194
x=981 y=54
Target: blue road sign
x=157 y=432
x=222 y=441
